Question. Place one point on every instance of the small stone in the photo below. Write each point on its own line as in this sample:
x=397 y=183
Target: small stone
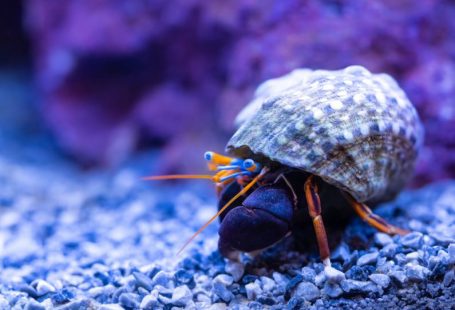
x=161 y=278
x=43 y=287
x=224 y=279
x=221 y=291
x=448 y=278
x=143 y=281
x=413 y=240
x=129 y=300
x=308 y=274
x=77 y=305
x=353 y=286
x=235 y=269
x=183 y=276
x=358 y=273
x=31 y=305
x=382 y=239
x=389 y=250
x=451 y=250
x=181 y=295
x=279 y=278
x=320 y=279
x=293 y=282
x=380 y=279
x=400 y=259
x=341 y=253
x=416 y=272
x=252 y=290
x=295 y=303
x=367 y=259
x=398 y=276
x=267 y=284
x=4 y=304
x=149 y=301
x=332 y=290
x=218 y=306
x=109 y=307
x=333 y=275
x=413 y=256
x=307 y=290
x=22 y=287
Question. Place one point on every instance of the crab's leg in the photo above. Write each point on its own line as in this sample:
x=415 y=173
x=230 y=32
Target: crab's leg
x=314 y=209
x=374 y=220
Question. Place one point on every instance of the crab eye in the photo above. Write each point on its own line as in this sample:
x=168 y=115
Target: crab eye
x=208 y=156
x=248 y=163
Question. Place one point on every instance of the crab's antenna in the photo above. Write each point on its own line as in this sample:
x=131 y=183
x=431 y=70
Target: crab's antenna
x=179 y=176
x=243 y=191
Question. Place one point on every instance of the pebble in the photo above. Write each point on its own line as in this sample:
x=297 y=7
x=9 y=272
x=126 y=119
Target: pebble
x=181 y=296
x=308 y=291
x=129 y=300
x=358 y=273
x=413 y=240
x=161 y=278
x=354 y=286
x=333 y=275
x=368 y=259
x=341 y=253
x=399 y=276
x=400 y=259
x=252 y=290
x=143 y=281
x=451 y=251
x=235 y=269
x=308 y=274
x=31 y=305
x=389 y=250
x=267 y=284
x=218 y=306
x=448 y=278
x=42 y=287
x=109 y=307
x=77 y=305
x=332 y=290
x=224 y=279
x=382 y=239
x=320 y=279
x=295 y=303
x=293 y=282
x=413 y=256
x=416 y=272
x=221 y=291
x=149 y=301
x=380 y=279
x=183 y=276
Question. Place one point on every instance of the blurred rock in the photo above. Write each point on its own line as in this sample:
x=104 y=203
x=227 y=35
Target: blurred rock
x=113 y=74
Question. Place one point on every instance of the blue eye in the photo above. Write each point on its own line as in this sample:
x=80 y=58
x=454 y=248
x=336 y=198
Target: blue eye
x=248 y=163
x=208 y=156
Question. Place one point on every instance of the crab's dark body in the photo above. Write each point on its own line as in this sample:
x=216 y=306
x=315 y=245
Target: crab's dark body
x=269 y=212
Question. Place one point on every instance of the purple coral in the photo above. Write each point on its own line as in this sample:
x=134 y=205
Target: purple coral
x=115 y=73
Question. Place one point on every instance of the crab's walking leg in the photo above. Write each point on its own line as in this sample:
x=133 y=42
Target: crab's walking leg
x=314 y=209
x=374 y=220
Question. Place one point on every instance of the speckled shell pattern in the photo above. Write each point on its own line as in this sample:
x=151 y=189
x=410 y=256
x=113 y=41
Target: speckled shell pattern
x=356 y=130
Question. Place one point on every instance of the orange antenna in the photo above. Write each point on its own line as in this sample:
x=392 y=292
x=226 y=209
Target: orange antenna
x=243 y=191
x=179 y=176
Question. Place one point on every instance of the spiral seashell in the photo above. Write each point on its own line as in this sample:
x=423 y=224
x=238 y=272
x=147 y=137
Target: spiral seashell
x=356 y=130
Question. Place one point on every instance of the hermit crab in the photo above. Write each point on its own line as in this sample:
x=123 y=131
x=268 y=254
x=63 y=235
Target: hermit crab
x=311 y=136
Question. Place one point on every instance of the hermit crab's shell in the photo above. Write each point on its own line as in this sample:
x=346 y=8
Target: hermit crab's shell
x=356 y=130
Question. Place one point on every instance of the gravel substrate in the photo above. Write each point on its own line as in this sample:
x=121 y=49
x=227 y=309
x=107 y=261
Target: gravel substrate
x=77 y=240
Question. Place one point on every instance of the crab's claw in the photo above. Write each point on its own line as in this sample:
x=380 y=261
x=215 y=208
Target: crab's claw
x=264 y=218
